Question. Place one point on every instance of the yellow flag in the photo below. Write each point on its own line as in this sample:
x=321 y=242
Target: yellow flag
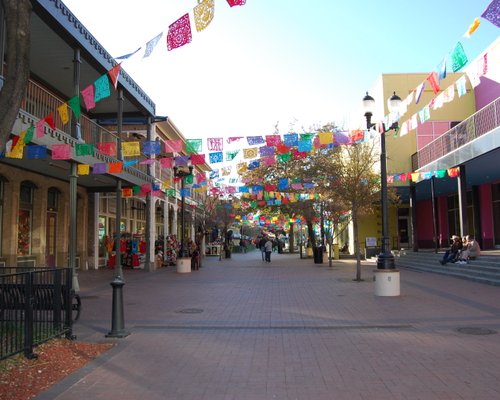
x=83 y=169
x=131 y=149
x=63 y=113
x=251 y=152
x=241 y=168
x=203 y=14
x=325 y=138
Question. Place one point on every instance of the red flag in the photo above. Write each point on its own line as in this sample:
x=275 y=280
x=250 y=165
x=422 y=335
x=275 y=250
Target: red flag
x=49 y=119
x=432 y=79
x=114 y=73
x=233 y=3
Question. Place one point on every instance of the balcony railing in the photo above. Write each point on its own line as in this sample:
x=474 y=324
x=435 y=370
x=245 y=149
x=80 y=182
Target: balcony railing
x=39 y=103
x=478 y=124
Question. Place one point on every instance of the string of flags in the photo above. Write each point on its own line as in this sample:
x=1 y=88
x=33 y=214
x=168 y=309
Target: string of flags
x=179 y=32
x=456 y=60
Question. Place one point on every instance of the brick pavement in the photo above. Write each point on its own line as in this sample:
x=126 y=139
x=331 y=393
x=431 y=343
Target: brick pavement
x=242 y=329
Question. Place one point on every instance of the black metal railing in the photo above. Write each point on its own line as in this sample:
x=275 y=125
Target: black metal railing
x=35 y=306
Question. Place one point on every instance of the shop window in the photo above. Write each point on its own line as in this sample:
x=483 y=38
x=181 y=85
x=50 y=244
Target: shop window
x=25 y=218
x=53 y=195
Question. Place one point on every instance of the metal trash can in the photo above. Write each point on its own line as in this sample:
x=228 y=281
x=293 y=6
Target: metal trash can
x=318 y=254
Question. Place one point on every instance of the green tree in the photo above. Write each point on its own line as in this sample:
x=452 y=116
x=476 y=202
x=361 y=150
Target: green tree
x=17 y=48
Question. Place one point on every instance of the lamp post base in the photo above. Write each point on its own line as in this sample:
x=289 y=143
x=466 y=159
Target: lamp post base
x=184 y=265
x=386 y=282
x=385 y=261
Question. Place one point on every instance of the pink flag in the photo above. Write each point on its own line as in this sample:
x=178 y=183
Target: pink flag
x=173 y=146
x=167 y=162
x=179 y=33
x=61 y=151
x=39 y=128
x=88 y=97
x=215 y=144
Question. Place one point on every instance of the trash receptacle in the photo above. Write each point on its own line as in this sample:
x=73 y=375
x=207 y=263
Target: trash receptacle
x=318 y=255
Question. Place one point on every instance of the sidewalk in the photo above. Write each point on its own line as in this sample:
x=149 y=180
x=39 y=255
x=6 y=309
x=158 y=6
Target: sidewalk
x=245 y=330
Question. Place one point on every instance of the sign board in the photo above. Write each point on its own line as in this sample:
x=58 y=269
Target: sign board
x=371 y=242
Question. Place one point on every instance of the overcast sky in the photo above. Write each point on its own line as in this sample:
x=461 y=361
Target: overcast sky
x=299 y=62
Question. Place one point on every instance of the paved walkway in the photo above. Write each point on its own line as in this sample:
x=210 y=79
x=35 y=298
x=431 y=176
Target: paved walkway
x=245 y=330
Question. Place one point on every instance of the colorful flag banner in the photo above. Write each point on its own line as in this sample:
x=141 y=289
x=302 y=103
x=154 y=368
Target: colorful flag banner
x=253 y=165
x=291 y=139
x=273 y=140
x=107 y=148
x=186 y=192
x=305 y=145
x=37 y=152
x=100 y=168
x=198 y=159
x=40 y=128
x=151 y=147
x=188 y=179
x=114 y=73
x=433 y=81
x=173 y=146
x=230 y=155
x=74 y=104
x=131 y=149
x=233 y=3
x=449 y=94
x=203 y=14
x=127 y=192
x=251 y=152
x=492 y=13
x=29 y=134
x=265 y=151
x=125 y=56
x=472 y=28
x=424 y=114
x=63 y=112
x=461 y=86
x=61 y=151
x=179 y=33
x=83 y=169
x=181 y=161
x=193 y=146
x=255 y=140
x=88 y=97
x=226 y=171
x=214 y=174
x=418 y=92
x=234 y=139
x=269 y=160
x=473 y=76
x=325 y=138
x=167 y=162
x=441 y=70
x=215 y=144
x=150 y=46
x=115 y=167
x=458 y=57
x=101 y=88
x=216 y=157
x=284 y=157
x=283 y=183
x=84 y=149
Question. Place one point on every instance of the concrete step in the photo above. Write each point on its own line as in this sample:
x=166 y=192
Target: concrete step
x=484 y=269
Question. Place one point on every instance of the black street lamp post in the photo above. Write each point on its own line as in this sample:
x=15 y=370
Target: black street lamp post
x=182 y=173
x=385 y=260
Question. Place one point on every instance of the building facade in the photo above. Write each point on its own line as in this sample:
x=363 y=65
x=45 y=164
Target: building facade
x=50 y=214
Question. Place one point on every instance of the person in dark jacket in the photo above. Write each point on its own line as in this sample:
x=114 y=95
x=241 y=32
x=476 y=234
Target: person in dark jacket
x=262 y=243
x=452 y=253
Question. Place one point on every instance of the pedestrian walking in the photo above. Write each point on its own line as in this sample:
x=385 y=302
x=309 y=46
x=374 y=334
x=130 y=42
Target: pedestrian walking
x=268 y=247
x=262 y=243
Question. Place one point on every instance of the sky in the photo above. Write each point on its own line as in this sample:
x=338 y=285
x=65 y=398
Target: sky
x=279 y=65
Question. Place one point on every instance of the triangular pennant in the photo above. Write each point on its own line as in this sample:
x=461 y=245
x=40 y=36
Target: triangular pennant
x=114 y=73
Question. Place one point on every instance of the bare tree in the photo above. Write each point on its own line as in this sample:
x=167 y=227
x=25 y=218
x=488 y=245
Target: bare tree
x=353 y=181
x=17 y=22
